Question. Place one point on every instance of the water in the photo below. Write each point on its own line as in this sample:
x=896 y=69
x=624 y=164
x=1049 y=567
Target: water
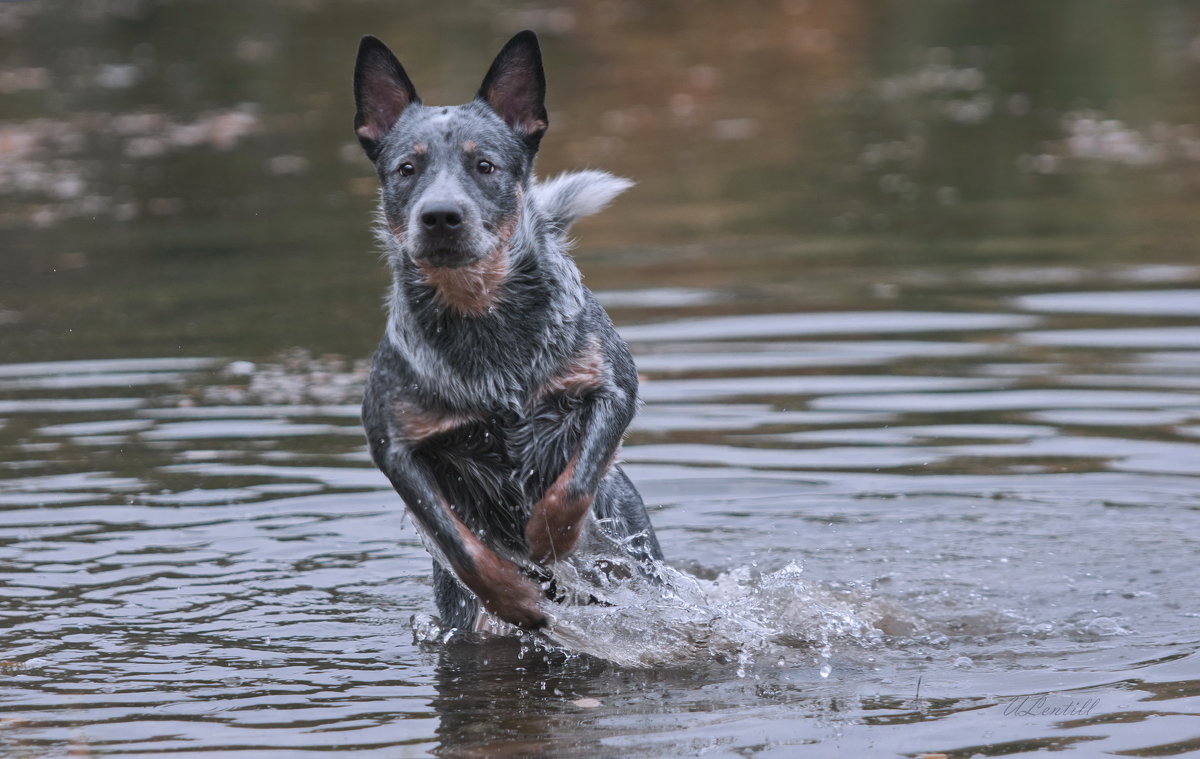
x=918 y=321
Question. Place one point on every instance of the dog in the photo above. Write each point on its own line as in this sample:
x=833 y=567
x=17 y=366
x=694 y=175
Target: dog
x=500 y=392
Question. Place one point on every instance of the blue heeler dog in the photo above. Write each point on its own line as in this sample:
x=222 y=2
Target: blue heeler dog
x=500 y=392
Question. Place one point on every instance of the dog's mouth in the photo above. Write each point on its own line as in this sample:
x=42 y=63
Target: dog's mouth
x=446 y=257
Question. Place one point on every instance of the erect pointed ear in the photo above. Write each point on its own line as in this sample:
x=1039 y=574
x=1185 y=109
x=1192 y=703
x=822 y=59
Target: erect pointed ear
x=381 y=93
x=515 y=86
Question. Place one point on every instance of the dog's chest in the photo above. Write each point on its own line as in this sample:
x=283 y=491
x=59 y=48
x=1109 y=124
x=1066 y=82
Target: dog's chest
x=492 y=467
x=533 y=428
x=517 y=444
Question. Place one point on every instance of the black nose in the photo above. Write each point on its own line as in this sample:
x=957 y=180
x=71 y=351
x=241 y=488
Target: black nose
x=442 y=217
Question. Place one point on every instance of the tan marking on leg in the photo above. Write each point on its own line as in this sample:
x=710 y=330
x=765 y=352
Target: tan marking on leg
x=557 y=519
x=586 y=371
x=498 y=584
x=417 y=424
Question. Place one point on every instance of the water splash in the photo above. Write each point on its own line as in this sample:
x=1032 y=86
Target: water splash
x=738 y=617
x=653 y=615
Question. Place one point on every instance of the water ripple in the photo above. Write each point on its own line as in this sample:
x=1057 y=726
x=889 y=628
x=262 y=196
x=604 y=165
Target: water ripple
x=212 y=562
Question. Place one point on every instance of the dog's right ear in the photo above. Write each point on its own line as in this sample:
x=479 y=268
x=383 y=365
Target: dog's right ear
x=381 y=93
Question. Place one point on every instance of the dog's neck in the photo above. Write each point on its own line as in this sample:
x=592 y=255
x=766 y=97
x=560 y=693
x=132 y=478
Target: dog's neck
x=445 y=323
x=471 y=290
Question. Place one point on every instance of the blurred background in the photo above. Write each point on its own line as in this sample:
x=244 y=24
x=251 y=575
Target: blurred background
x=180 y=177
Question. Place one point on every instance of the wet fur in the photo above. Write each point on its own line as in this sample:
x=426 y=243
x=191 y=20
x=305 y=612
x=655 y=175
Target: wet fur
x=499 y=394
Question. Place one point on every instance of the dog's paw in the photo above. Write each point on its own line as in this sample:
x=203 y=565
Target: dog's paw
x=522 y=610
x=508 y=594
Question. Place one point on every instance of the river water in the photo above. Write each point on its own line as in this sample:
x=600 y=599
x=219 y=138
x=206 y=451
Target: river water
x=915 y=299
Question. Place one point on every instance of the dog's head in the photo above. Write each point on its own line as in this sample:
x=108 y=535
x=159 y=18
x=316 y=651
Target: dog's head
x=453 y=178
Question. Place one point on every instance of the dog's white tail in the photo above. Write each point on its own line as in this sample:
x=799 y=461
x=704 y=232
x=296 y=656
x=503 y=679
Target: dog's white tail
x=569 y=197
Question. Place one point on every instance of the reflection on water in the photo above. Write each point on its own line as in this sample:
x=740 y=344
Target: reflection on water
x=914 y=295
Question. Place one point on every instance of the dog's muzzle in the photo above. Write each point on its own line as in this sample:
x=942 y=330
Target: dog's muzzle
x=444 y=236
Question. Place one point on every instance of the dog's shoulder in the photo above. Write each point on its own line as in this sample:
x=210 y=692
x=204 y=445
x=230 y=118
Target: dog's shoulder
x=597 y=329
x=389 y=372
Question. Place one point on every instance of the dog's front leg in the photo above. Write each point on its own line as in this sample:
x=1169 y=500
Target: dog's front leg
x=497 y=582
x=557 y=518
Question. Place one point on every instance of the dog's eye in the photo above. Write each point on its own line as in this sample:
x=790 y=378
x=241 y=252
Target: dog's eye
x=485 y=167
x=407 y=170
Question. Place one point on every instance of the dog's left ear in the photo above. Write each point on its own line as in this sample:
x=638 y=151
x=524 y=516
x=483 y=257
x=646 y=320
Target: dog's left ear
x=515 y=87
